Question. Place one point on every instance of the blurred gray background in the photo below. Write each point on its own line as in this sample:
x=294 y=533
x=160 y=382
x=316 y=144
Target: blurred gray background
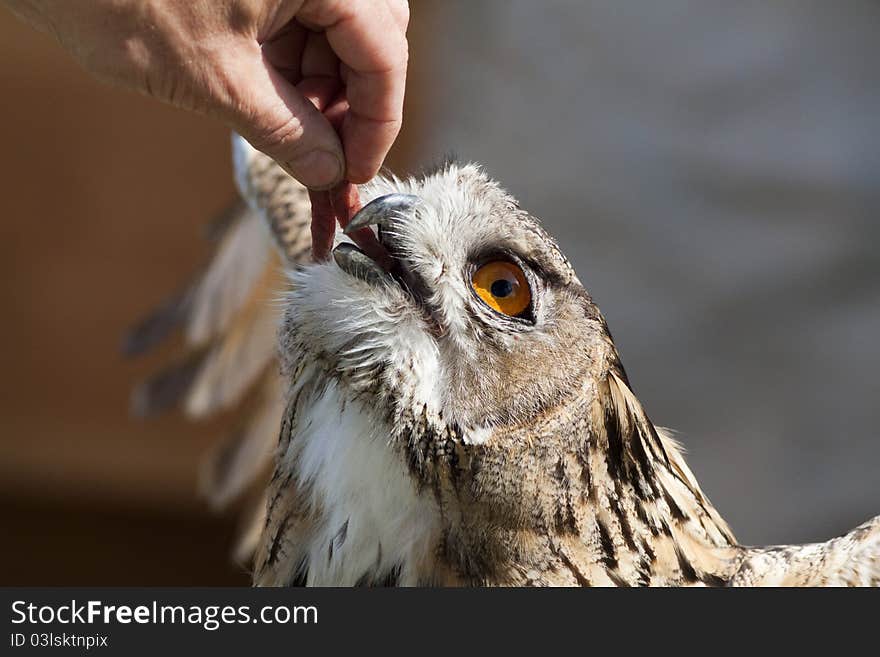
x=713 y=171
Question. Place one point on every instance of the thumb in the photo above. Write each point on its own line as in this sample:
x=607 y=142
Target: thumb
x=277 y=119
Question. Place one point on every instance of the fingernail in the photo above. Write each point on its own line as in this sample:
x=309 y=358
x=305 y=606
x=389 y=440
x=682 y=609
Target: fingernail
x=317 y=169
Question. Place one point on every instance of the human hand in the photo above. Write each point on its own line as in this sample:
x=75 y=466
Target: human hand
x=282 y=73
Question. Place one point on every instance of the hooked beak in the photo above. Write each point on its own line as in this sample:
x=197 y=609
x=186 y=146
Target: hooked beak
x=389 y=213
x=384 y=212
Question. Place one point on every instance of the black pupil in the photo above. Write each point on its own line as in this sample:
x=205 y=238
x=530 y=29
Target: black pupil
x=502 y=288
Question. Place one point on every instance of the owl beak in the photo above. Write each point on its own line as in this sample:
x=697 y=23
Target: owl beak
x=355 y=262
x=386 y=212
x=383 y=212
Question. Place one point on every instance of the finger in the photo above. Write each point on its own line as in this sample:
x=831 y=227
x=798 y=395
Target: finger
x=306 y=59
x=318 y=58
x=368 y=40
x=400 y=11
x=366 y=142
x=285 y=50
x=365 y=238
x=336 y=110
x=274 y=116
x=322 y=92
x=321 y=82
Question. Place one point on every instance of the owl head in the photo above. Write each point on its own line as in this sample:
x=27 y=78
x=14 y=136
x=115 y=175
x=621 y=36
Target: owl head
x=481 y=319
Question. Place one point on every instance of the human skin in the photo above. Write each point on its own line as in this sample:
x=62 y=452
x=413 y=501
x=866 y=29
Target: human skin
x=316 y=84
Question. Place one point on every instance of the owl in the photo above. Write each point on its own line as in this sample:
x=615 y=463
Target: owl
x=456 y=414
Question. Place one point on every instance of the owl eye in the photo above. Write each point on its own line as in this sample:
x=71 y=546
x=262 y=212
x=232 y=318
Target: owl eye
x=503 y=286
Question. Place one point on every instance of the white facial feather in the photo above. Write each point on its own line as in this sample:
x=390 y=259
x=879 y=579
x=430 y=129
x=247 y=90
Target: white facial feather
x=346 y=316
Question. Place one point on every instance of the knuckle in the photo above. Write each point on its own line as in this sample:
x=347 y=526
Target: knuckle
x=274 y=135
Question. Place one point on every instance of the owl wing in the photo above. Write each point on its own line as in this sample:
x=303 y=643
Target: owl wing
x=849 y=560
x=228 y=316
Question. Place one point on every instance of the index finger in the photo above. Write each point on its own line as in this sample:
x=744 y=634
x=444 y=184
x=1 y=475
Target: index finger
x=369 y=41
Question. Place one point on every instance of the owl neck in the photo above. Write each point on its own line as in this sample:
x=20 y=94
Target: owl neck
x=621 y=507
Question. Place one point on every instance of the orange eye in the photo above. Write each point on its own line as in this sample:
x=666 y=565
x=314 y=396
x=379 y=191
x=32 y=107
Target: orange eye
x=503 y=286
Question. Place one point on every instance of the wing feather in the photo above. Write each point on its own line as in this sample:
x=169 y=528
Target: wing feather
x=243 y=351
x=158 y=325
x=228 y=316
x=227 y=285
x=164 y=390
x=849 y=560
x=235 y=463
